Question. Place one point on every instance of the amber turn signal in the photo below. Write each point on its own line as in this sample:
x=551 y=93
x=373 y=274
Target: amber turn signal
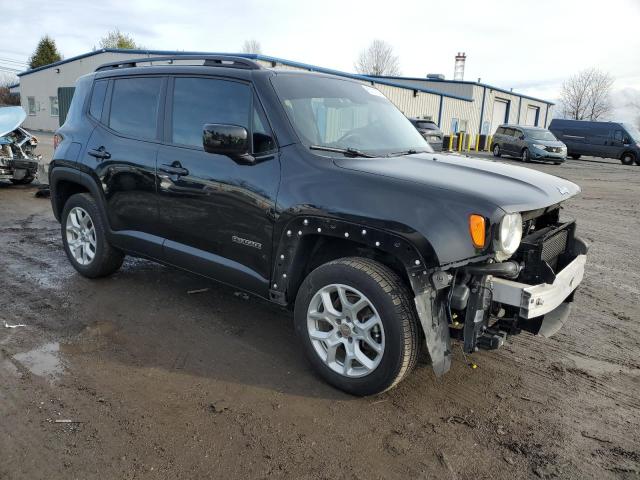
x=477 y=229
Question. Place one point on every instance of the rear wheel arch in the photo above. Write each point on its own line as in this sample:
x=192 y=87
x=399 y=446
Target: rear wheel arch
x=65 y=182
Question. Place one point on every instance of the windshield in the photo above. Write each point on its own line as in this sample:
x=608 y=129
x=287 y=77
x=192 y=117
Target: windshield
x=341 y=114
x=632 y=131
x=541 y=135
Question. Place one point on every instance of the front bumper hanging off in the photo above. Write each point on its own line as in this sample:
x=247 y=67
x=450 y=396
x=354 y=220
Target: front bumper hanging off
x=540 y=308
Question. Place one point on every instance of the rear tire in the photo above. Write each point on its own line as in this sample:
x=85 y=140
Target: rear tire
x=628 y=159
x=496 y=150
x=84 y=238
x=575 y=157
x=335 y=337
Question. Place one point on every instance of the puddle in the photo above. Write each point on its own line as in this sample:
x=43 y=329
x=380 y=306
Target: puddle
x=43 y=361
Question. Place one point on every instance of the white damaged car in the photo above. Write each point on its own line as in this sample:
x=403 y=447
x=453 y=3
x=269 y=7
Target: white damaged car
x=18 y=162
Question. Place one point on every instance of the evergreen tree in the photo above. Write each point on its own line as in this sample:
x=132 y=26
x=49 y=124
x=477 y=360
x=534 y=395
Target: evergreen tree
x=46 y=53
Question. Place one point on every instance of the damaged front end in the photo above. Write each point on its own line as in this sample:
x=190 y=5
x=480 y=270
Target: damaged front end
x=480 y=304
x=18 y=162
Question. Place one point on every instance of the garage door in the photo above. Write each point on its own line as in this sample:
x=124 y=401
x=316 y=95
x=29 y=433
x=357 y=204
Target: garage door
x=499 y=115
x=533 y=114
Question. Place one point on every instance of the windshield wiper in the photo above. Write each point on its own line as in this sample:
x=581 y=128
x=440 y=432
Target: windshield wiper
x=407 y=152
x=350 y=152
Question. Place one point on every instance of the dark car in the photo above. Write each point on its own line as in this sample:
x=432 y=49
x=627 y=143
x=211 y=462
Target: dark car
x=599 y=139
x=528 y=143
x=430 y=131
x=316 y=193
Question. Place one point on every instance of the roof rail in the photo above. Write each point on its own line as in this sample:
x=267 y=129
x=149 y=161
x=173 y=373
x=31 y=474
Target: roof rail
x=228 y=61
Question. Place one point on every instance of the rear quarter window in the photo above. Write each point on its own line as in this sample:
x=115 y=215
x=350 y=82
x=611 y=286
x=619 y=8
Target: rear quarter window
x=134 y=107
x=97 y=98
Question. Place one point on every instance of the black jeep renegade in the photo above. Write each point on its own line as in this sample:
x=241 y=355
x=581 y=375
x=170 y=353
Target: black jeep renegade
x=316 y=193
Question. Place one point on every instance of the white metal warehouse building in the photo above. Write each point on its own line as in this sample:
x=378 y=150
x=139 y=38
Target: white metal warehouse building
x=456 y=106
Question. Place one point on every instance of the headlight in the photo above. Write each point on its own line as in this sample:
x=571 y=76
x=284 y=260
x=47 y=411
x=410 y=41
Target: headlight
x=509 y=235
x=537 y=145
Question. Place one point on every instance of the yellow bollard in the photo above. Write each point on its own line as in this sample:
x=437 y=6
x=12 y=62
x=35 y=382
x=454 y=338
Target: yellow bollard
x=488 y=145
x=460 y=139
x=477 y=141
x=450 y=142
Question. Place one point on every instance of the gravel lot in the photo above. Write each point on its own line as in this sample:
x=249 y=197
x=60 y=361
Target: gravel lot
x=133 y=377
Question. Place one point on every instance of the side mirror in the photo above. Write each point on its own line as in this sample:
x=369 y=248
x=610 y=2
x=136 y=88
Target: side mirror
x=229 y=140
x=521 y=137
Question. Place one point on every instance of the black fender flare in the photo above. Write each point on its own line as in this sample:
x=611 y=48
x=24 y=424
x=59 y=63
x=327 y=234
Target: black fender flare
x=58 y=174
x=418 y=261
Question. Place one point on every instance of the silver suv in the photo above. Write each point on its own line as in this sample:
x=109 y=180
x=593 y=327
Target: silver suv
x=528 y=143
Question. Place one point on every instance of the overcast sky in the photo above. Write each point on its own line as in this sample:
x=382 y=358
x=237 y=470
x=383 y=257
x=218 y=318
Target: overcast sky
x=528 y=45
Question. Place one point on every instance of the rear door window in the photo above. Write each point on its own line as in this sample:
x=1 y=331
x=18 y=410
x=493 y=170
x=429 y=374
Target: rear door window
x=197 y=101
x=134 y=107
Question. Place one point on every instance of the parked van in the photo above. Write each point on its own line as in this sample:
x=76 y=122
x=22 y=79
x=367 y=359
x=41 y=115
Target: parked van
x=599 y=139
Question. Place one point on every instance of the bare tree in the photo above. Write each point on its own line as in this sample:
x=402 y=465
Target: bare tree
x=251 y=46
x=378 y=59
x=117 y=39
x=586 y=95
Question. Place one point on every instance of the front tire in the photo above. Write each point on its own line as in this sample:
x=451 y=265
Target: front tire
x=84 y=238
x=575 y=156
x=496 y=150
x=357 y=324
x=526 y=156
x=628 y=159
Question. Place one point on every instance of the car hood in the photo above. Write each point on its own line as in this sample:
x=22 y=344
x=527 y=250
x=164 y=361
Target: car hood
x=10 y=119
x=509 y=187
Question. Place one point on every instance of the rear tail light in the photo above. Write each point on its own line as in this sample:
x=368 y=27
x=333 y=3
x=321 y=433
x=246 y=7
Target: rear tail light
x=57 y=138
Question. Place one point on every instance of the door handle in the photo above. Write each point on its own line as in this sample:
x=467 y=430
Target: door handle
x=174 y=170
x=99 y=153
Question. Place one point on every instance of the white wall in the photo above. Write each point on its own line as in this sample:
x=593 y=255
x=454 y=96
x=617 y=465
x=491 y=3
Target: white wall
x=44 y=84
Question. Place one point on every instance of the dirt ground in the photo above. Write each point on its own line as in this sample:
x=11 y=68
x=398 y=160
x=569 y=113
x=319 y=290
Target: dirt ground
x=133 y=377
